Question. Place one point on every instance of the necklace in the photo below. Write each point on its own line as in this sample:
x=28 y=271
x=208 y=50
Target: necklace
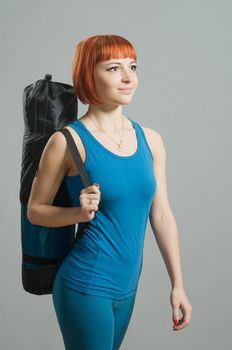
x=118 y=144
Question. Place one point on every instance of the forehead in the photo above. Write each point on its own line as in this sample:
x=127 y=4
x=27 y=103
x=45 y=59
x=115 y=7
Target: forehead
x=118 y=60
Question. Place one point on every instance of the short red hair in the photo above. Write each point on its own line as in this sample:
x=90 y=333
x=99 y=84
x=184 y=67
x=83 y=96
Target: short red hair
x=88 y=53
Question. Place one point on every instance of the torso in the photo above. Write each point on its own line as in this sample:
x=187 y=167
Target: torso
x=107 y=260
x=129 y=142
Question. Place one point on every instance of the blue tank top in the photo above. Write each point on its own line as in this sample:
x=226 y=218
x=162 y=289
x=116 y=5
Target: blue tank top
x=107 y=260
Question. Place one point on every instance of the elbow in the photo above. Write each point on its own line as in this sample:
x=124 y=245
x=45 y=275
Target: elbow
x=30 y=215
x=167 y=217
x=161 y=216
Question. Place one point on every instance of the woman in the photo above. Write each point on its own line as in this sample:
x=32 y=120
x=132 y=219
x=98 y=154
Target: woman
x=95 y=287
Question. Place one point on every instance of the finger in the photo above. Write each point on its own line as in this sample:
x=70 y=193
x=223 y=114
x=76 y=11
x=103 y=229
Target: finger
x=181 y=326
x=90 y=207
x=185 y=319
x=91 y=189
x=186 y=314
x=93 y=207
x=93 y=201
x=92 y=196
x=96 y=187
x=175 y=315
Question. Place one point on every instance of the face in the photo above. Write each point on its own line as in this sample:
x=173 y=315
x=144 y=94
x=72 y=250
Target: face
x=116 y=80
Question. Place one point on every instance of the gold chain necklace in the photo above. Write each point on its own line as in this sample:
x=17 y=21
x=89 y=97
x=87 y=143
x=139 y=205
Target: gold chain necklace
x=118 y=144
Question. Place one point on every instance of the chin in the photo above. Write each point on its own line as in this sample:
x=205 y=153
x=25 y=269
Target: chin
x=120 y=101
x=125 y=99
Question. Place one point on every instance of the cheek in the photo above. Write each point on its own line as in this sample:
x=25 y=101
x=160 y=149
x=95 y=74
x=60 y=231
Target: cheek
x=136 y=81
x=105 y=85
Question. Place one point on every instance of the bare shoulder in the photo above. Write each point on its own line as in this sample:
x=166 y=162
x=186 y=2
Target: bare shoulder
x=57 y=143
x=154 y=140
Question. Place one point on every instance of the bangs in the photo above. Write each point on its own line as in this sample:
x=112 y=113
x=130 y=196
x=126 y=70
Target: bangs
x=113 y=46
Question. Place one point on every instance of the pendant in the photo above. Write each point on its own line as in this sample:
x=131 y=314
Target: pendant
x=120 y=148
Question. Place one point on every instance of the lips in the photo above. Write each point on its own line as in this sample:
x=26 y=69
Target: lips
x=126 y=90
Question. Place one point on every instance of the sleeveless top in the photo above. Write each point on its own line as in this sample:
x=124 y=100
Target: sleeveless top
x=107 y=260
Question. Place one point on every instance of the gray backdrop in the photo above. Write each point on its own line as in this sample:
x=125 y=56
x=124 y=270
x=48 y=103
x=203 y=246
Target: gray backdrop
x=184 y=71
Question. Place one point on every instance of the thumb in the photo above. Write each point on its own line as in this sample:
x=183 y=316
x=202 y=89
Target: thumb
x=175 y=316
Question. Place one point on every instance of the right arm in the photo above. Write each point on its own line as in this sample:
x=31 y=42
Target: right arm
x=51 y=171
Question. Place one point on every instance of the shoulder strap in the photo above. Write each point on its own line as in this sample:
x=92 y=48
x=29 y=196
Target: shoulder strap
x=77 y=158
x=83 y=173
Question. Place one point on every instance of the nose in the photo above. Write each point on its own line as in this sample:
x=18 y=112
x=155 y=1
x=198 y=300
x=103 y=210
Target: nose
x=126 y=76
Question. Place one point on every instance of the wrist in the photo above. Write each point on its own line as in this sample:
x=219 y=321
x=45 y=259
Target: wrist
x=178 y=285
x=79 y=214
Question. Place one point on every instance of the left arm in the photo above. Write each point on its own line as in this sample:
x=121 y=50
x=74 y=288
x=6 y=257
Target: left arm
x=161 y=216
x=164 y=228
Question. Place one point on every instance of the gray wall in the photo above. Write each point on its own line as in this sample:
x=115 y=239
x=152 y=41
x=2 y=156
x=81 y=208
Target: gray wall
x=184 y=71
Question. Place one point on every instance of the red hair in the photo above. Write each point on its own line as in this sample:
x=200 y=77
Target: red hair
x=88 y=53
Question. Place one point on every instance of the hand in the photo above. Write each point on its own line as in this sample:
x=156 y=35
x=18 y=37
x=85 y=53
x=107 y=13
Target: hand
x=89 y=200
x=180 y=301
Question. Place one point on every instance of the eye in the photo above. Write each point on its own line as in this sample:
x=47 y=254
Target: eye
x=115 y=67
x=112 y=68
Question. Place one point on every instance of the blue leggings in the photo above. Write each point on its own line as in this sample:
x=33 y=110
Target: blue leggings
x=89 y=322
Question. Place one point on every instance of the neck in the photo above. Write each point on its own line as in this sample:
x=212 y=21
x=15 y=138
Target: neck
x=110 y=120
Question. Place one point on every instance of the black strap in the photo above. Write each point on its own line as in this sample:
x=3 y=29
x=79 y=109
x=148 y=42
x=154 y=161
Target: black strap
x=82 y=171
x=77 y=158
